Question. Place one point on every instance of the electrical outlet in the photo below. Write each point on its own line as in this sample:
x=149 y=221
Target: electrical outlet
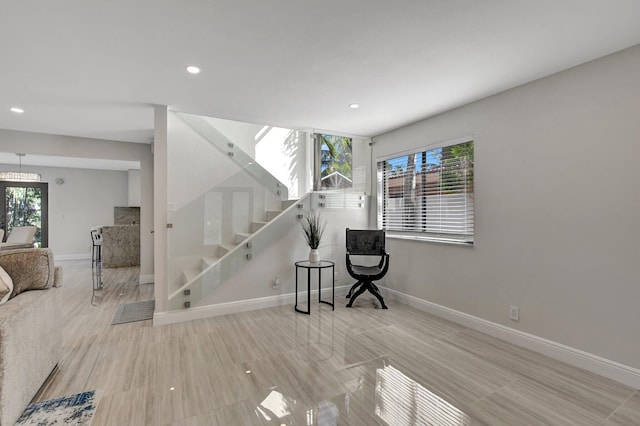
x=275 y=283
x=514 y=313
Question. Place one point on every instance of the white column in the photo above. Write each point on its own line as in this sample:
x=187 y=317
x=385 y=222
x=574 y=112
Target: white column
x=160 y=206
x=146 y=219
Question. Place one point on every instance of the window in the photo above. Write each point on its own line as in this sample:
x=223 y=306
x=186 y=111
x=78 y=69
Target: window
x=335 y=161
x=428 y=193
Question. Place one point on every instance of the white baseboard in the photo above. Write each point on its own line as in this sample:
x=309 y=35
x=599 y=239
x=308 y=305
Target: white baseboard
x=146 y=279
x=201 y=312
x=604 y=367
x=83 y=256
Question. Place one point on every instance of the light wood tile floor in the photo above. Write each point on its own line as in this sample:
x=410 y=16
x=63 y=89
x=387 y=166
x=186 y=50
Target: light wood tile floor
x=360 y=366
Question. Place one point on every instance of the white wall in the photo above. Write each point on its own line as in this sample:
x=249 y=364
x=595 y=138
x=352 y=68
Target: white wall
x=361 y=167
x=134 y=188
x=557 y=208
x=241 y=134
x=76 y=205
x=282 y=152
x=67 y=146
x=195 y=166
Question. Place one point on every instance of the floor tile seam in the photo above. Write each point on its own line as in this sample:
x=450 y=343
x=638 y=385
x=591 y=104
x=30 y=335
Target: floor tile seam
x=576 y=405
x=489 y=395
x=372 y=329
x=442 y=340
x=621 y=405
x=495 y=364
x=486 y=398
x=510 y=369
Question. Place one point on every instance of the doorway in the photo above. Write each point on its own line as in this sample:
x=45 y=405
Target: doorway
x=26 y=204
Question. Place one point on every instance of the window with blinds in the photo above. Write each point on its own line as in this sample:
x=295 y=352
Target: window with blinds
x=428 y=193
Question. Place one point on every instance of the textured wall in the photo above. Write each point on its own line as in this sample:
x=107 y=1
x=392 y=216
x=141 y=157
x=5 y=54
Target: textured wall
x=126 y=215
x=120 y=246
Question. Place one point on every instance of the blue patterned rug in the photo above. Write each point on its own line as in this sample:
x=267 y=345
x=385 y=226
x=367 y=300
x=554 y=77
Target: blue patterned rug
x=68 y=410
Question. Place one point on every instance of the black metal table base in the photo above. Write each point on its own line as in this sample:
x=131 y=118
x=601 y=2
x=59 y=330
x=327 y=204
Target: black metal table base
x=319 y=266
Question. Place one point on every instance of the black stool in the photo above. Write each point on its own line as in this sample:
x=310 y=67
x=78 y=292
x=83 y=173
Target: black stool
x=96 y=251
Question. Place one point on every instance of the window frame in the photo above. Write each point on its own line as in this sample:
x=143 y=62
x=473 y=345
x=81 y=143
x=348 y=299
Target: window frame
x=447 y=238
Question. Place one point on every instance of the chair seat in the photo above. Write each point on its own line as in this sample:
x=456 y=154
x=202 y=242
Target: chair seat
x=366 y=270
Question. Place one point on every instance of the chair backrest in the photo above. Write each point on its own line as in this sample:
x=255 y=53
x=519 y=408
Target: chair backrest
x=22 y=234
x=96 y=237
x=365 y=242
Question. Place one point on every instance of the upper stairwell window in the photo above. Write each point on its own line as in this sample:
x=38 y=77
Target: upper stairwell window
x=334 y=162
x=428 y=193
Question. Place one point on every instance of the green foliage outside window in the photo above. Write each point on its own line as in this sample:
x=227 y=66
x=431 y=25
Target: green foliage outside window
x=24 y=208
x=336 y=155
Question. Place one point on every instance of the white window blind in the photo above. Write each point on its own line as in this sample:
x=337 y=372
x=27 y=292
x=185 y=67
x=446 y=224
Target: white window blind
x=428 y=193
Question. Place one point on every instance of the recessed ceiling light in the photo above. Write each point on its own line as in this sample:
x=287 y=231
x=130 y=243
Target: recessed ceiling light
x=192 y=69
x=354 y=106
x=17 y=110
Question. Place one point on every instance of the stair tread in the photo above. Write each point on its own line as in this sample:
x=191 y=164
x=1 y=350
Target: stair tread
x=210 y=260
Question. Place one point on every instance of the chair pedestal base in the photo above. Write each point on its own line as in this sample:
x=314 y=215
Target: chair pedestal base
x=364 y=286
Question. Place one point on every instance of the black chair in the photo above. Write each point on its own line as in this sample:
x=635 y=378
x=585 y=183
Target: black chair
x=363 y=242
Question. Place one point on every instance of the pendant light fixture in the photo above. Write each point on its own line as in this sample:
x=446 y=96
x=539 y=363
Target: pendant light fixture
x=20 y=176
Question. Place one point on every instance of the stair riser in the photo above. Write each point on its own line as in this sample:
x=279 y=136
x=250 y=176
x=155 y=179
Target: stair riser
x=272 y=215
x=255 y=226
x=288 y=203
x=239 y=239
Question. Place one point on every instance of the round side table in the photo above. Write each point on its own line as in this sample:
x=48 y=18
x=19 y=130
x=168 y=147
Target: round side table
x=319 y=266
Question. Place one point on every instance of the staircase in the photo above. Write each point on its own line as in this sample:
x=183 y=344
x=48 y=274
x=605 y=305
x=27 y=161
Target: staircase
x=218 y=229
x=206 y=261
x=214 y=270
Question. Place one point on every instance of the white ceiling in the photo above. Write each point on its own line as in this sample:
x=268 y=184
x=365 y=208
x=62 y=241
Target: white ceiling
x=95 y=68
